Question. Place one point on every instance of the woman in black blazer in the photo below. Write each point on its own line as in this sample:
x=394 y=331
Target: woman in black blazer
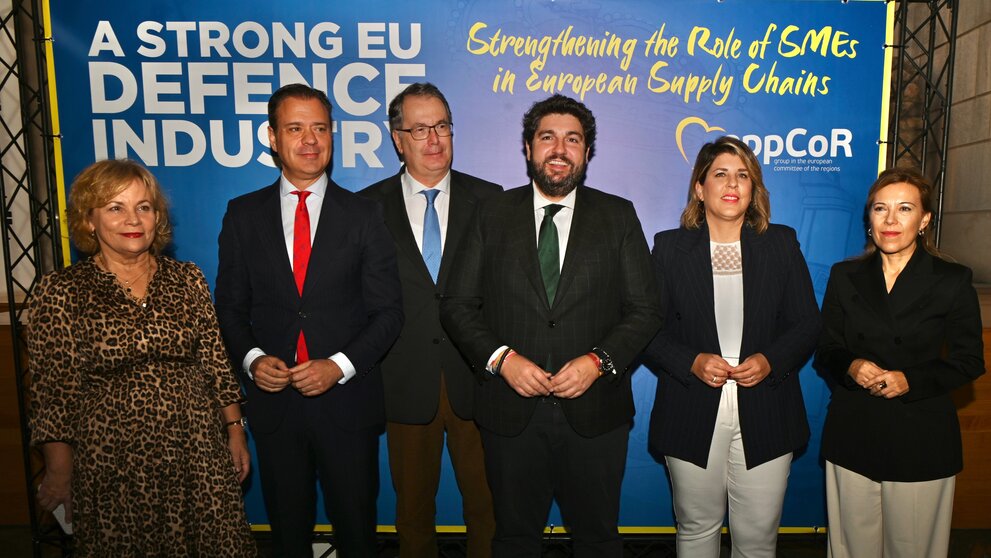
x=902 y=329
x=740 y=320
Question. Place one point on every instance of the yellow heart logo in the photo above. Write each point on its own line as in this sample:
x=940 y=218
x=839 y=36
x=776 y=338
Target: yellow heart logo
x=685 y=123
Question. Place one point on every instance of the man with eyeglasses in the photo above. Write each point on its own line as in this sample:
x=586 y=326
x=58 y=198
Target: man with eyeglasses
x=428 y=385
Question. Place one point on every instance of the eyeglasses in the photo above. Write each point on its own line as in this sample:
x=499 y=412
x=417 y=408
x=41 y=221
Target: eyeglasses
x=442 y=129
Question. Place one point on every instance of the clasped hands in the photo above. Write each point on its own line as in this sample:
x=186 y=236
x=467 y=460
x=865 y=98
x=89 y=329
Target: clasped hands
x=310 y=378
x=530 y=380
x=878 y=381
x=713 y=370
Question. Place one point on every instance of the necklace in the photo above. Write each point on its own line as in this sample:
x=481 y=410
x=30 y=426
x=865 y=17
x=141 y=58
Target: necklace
x=126 y=283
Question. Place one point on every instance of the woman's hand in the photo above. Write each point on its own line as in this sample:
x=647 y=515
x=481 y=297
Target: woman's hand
x=55 y=490
x=889 y=384
x=711 y=369
x=751 y=371
x=56 y=486
x=237 y=442
x=864 y=372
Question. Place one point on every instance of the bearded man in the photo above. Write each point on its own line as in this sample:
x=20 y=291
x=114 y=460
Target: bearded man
x=551 y=300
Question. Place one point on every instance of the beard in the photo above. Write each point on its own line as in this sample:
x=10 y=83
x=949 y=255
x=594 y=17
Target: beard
x=556 y=187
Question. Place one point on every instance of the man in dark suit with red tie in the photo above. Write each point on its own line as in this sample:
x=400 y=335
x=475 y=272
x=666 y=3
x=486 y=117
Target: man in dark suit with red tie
x=552 y=299
x=428 y=385
x=309 y=300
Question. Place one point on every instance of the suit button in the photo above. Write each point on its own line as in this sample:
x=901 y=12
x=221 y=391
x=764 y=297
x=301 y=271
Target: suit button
x=677 y=315
x=436 y=341
x=860 y=336
x=302 y=315
x=438 y=296
x=551 y=324
x=898 y=340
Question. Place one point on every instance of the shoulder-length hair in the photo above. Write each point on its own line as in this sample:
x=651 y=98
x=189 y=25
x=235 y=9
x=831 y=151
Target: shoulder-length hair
x=99 y=183
x=758 y=214
x=925 y=188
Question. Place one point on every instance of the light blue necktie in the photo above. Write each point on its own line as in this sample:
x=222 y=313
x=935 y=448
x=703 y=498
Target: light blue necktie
x=431 y=234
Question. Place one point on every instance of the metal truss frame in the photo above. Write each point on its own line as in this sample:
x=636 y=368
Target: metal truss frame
x=922 y=89
x=30 y=219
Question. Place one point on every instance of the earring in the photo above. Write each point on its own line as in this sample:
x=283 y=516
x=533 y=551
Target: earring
x=922 y=232
x=870 y=231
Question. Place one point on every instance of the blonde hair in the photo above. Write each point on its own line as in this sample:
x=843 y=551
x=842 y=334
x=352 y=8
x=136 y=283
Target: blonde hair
x=99 y=183
x=758 y=214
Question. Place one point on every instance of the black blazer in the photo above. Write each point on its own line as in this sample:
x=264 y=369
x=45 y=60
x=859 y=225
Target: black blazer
x=412 y=369
x=351 y=300
x=780 y=320
x=928 y=327
x=606 y=298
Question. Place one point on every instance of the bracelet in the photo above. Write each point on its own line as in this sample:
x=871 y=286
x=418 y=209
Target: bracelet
x=598 y=361
x=505 y=355
x=242 y=422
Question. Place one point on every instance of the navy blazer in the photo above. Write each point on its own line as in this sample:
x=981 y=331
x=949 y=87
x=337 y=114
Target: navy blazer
x=928 y=327
x=412 y=369
x=606 y=298
x=780 y=320
x=351 y=300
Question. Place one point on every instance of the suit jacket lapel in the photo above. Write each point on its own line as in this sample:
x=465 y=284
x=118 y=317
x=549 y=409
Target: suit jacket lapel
x=394 y=210
x=273 y=237
x=524 y=241
x=868 y=281
x=698 y=268
x=461 y=208
x=913 y=283
x=754 y=269
x=331 y=230
x=583 y=232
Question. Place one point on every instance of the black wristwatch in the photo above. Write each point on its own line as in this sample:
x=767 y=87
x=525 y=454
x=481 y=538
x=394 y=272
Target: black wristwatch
x=605 y=361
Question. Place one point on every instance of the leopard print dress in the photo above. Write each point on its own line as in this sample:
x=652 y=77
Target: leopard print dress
x=136 y=391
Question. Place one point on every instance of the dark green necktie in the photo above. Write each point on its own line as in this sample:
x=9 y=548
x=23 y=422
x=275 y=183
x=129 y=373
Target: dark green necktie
x=549 y=252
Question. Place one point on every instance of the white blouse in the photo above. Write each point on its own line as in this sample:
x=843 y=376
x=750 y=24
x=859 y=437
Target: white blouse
x=727 y=290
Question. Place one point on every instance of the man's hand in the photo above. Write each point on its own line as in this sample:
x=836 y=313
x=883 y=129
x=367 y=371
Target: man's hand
x=712 y=369
x=575 y=377
x=316 y=376
x=270 y=373
x=525 y=377
x=751 y=371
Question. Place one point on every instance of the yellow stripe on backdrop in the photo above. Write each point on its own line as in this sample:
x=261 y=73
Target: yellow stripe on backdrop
x=56 y=132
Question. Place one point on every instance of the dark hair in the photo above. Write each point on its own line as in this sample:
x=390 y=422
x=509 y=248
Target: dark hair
x=908 y=176
x=559 y=104
x=421 y=89
x=296 y=91
x=99 y=183
x=758 y=214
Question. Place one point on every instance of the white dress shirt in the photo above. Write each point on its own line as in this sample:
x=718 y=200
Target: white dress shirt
x=314 y=202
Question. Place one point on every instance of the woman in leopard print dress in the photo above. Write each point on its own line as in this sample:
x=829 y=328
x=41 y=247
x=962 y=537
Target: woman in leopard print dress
x=134 y=402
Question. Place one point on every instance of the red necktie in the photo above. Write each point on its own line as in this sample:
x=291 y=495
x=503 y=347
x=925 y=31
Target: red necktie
x=300 y=260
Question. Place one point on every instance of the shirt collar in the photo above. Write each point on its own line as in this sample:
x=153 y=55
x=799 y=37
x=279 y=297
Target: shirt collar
x=539 y=201
x=318 y=188
x=412 y=187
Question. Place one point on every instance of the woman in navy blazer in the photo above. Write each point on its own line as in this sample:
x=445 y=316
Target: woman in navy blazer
x=740 y=320
x=902 y=329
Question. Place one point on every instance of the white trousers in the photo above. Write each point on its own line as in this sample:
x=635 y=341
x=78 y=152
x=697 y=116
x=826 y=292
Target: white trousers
x=755 y=496
x=885 y=519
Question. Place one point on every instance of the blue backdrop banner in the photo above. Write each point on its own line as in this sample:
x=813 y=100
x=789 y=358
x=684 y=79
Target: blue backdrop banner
x=182 y=87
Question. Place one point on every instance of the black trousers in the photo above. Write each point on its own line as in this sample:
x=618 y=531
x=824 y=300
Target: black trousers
x=550 y=461
x=302 y=450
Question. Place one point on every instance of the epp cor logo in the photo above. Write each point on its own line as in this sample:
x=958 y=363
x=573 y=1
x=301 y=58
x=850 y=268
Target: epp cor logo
x=796 y=143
